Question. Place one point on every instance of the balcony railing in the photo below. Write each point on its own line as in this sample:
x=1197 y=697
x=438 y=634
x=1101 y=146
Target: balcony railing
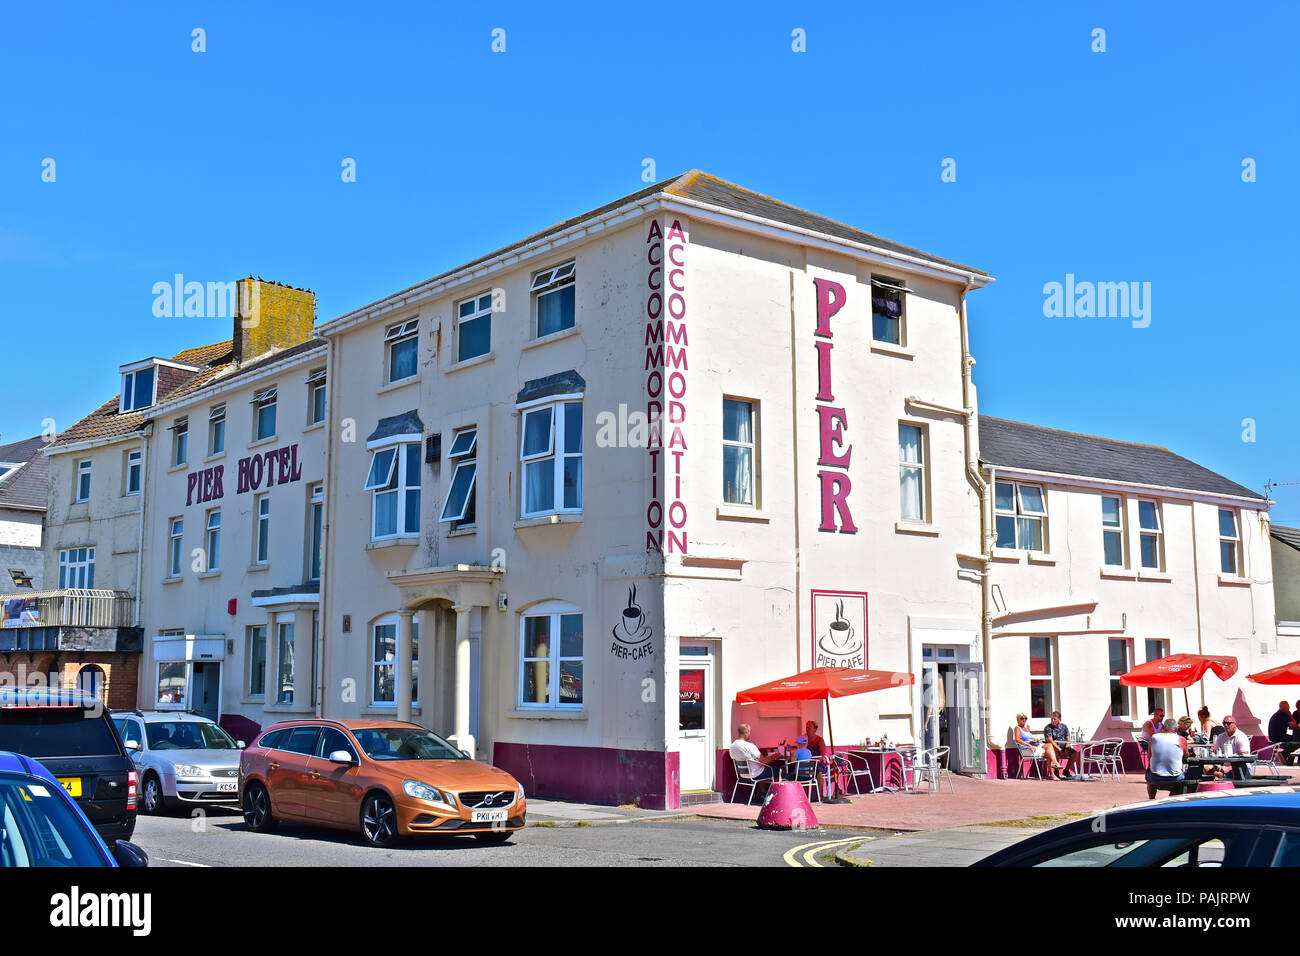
x=69 y=607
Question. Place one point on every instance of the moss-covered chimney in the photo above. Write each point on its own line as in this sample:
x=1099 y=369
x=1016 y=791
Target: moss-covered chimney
x=271 y=317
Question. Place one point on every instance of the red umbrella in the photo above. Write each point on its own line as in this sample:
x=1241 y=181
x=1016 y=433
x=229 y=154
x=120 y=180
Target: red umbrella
x=1179 y=670
x=823 y=683
x=1285 y=674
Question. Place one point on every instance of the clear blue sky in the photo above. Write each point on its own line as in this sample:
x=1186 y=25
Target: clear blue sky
x=1123 y=165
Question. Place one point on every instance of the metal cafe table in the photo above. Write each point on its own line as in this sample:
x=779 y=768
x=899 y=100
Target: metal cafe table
x=1240 y=769
x=886 y=764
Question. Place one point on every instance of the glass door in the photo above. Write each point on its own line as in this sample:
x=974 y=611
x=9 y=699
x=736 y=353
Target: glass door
x=930 y=704
x=967 y=727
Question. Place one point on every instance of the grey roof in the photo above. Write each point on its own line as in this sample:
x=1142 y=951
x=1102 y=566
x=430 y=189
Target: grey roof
x=26 y=486
x=561 y=383
x=407 y=423
x=1289 y=536
x=1035 y=448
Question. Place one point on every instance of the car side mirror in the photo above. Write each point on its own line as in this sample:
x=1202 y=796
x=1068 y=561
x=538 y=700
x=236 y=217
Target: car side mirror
x=240 y=745
x=343 y=757
x=131 y=744
x=129 y=855
x=467 y=755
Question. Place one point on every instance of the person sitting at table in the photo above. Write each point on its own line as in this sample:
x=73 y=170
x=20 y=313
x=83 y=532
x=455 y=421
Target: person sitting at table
x=1280 y=726
x=742 y=751
x=815 y=742
x=1208 y=727
x=1034 y=748
x=801 y=753
x=1168 y=751
x=1185 y=727
x=1153 y=726
x=1233 y=740
x=1056 y=738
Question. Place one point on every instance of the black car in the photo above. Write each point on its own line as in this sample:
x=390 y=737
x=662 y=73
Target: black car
x=1253 y=827
x=71 y=734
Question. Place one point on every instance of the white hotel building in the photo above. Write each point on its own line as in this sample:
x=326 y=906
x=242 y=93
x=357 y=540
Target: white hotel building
x=572 y=496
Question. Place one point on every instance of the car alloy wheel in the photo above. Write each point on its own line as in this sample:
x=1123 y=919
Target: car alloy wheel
x=379 y=820
x=151 y=799
x=257 y=809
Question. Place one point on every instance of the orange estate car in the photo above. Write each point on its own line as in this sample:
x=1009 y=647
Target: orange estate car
x=387 y=778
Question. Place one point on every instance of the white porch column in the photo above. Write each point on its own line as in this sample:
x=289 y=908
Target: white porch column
x=405 y=649
x=462 y=737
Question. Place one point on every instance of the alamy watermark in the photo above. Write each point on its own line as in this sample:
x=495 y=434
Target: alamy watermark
x=1103 y=300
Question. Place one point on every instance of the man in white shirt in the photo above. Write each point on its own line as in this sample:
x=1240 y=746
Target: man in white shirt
x=1233 y=740
x=743 y=750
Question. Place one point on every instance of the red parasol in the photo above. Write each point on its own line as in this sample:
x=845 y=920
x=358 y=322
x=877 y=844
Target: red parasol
x=823 y=683
x=1285 y=674
x=1179 y=670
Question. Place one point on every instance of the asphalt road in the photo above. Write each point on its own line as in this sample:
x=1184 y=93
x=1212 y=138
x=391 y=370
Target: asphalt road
x=219 y=839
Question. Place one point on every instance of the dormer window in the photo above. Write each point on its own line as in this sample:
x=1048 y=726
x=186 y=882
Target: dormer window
x=138 y=388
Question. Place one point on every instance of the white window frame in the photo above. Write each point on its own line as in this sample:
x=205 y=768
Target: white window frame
x=180 y=430
x=175 y=548
x=463 y=450
x=128 y=388
x=393 y=621
x=554 y=452
x=217 y=429
x=81 y=491
x=1238 y=570
x=550 y=281
x=1118 y=528
x=316 y=531
x=921 y=467
x=1157 y=696
x=267 y=398
x=1158 y=532
x=261 y=529
x=250 y=642
x=212 y=537
x=478 y=311
x=77 y=562
x=134 y=469
x=751 y=445
x=280 y=628
x=394 y=483
x=895 y=286
x=316 y=386
x=1127 y=692
x=1053 y=702
x=396 y=335
x=552 y=610
x=1019 y=513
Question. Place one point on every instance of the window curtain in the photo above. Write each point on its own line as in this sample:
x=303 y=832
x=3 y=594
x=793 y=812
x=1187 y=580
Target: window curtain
x=911 y=474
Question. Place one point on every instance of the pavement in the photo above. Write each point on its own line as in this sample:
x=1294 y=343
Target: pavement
x=561 y=813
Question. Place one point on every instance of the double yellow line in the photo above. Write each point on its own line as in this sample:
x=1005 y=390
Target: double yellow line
x=810 y=850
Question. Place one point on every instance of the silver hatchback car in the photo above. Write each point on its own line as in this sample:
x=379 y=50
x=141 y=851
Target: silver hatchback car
x=182 y=758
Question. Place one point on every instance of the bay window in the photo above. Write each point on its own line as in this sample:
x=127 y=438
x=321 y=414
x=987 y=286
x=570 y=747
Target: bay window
x=394 y=480
x=550 y=657
x=550 y=453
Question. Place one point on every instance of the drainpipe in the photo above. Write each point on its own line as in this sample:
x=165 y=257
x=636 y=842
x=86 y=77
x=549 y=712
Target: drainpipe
x=324 y=624
x=985 y=490
x=794 y=439
x=144 y=496
x=1196 y=585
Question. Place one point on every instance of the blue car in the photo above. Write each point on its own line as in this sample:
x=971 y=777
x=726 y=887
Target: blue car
x=41 y=824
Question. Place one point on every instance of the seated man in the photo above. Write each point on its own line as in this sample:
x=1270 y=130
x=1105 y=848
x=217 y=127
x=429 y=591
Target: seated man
x=1233 y=740
x=746 y=754
x=1153 y=726
x=1168 y=751
x=1056 y=737
x=1280 y=726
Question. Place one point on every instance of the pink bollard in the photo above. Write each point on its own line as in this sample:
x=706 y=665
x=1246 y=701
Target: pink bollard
x=786 y=807
x=1215 y=785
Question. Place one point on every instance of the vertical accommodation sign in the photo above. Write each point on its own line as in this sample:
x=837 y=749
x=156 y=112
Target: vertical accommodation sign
x=666 y=345
x=833 y=459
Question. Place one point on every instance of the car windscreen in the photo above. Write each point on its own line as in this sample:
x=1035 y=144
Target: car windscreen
x=404 y=743
x=187 y=735
x=56 y=732
x=38 y=828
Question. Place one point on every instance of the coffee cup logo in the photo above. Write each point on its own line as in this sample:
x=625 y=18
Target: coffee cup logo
x=632 y=628
x=839 y=635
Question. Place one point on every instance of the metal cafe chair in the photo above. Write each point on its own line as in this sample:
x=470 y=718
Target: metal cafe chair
x=1028 y=759
x=844 y=764
x=745 y=779
x=932 y=766
x=805 y=774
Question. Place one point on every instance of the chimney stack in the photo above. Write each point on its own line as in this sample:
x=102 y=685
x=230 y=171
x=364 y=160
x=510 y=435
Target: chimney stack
x=271 y=317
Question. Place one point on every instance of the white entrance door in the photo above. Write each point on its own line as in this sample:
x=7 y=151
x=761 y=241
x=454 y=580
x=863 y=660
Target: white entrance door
x=698 y=749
